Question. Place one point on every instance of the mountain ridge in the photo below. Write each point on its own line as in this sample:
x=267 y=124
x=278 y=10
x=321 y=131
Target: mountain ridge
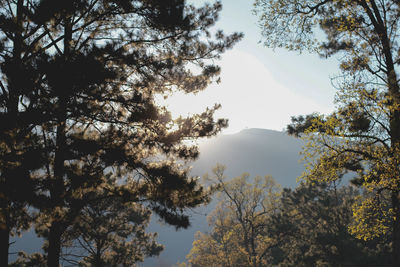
x=256 y=151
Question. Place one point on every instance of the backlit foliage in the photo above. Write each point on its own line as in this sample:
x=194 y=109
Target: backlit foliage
x=78 y=87
x=239 y=223
x=307 y=226
x=363 y=134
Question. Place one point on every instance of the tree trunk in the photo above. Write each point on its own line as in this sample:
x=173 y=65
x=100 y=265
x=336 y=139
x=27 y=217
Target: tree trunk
x=4 y=245
x=394 y=93
x=4 y=233
x=396 y=229
x=12 y=110
x=53 y=252
x=395 y=143
x=97 y=261
x=57 y=190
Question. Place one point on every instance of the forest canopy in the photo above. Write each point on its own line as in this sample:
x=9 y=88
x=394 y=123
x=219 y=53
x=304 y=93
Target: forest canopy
x=257 y=223
x=80 y=129
x=363 y=134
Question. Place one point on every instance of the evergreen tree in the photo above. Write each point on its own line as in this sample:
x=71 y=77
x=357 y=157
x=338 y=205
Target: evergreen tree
x=363 y=134
x=33 y=260
x=312 y=229
x=109 y=232
x=257 y=224
x=21 y=148
x=93 y=69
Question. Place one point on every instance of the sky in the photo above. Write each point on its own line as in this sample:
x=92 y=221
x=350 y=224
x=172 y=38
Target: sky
x=261 y=87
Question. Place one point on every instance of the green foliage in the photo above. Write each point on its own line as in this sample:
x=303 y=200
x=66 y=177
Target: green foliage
x=363 y=134
x=312 y=226
x=257 y=224
x=110 y=232
x=79 y=81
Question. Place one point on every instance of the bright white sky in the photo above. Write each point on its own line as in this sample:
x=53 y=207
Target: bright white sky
x=261 y=88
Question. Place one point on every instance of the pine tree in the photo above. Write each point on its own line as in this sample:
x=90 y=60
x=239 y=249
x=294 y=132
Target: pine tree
x=97 y=66
x=110 y=232
x=312 y=228
x=21 y=149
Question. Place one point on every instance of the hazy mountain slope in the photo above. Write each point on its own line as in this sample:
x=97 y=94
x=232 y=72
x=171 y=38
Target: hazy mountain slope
x=256 y=151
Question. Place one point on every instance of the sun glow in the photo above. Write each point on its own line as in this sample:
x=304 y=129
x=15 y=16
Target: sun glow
x=249 y=95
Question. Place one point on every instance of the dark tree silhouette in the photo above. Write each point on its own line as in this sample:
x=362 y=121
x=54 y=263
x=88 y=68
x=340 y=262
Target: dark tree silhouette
x=110 y=232
x=312 y=229
x=78 y=87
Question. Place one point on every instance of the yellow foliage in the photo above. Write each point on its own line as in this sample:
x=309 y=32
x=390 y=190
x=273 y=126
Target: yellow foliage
x=237 y=237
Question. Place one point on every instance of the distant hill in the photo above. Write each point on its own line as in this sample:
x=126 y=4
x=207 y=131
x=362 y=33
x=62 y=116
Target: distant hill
x=255 y=151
